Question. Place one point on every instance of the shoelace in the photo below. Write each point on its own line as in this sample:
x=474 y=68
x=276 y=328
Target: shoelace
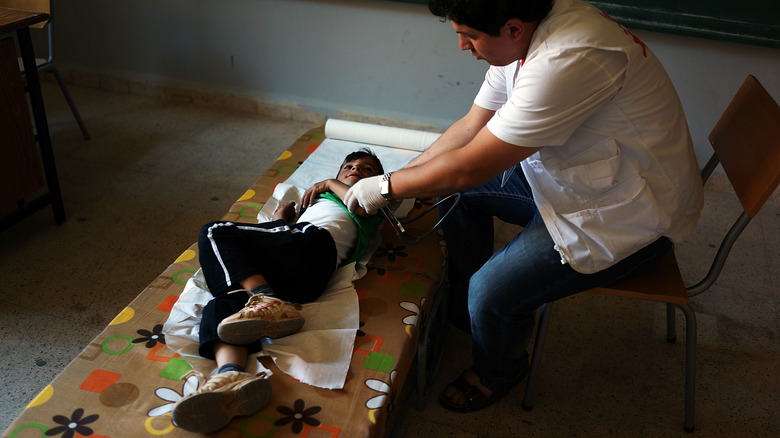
x=201 y=378
x=260 y=302
x=265 y=300
x=219 y=380
x=193 y=372
x=254 y=298
x=216 y=381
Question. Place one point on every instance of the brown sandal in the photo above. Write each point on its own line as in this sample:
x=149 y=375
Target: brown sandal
x=475 y=399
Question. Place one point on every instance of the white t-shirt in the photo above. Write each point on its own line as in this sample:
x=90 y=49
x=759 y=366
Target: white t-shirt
x=617 y=169
x=329 y=215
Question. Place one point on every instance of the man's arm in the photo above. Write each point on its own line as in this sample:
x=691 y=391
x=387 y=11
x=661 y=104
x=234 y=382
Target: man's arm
x=483 y=158
x=472 y=165
x=457 y=135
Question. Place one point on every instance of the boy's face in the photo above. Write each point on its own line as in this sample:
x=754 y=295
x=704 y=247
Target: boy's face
x=353 y=171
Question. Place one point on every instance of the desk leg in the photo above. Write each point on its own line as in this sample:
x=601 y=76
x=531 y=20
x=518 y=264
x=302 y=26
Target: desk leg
x=41 y=124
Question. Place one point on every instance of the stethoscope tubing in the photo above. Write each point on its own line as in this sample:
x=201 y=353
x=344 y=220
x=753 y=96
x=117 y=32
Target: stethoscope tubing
x=400 y=230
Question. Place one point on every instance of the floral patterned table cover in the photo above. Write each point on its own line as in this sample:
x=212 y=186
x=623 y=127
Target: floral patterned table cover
x=125 y=382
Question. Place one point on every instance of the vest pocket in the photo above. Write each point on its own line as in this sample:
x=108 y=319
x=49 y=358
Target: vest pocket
x=591 y=171
x=610 y=233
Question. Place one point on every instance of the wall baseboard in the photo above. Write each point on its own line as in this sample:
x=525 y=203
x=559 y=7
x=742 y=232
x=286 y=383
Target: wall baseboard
x=226 y=101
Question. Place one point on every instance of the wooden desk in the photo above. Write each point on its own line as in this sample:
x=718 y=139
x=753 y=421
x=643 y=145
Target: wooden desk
x=20 y=168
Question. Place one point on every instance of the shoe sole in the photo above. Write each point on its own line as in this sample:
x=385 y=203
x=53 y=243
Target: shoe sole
x=211 y=411
x=246 y=331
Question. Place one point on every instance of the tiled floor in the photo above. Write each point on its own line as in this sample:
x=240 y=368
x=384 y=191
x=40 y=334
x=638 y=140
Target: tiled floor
x=137 y=193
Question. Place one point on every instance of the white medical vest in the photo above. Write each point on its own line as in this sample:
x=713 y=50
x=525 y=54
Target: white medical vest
x=617 y=168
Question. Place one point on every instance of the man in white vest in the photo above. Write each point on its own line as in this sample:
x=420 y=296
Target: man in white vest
x=577 y=135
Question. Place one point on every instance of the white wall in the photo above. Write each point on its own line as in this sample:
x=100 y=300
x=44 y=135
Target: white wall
x=708 y=73
x=375 y=57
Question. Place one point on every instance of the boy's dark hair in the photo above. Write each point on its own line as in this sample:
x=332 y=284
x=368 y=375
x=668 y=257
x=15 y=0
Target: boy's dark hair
x=489 y=15
x=364 y=153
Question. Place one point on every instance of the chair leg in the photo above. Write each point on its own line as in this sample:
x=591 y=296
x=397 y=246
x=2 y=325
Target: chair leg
x=671 y=326
x=536 y=357
x=72 y=105
x=690 y=366
x=690 y=358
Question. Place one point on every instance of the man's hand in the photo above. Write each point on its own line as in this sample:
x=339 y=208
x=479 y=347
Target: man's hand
x=365 y=193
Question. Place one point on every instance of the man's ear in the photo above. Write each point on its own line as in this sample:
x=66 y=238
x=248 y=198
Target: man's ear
x=515 y=28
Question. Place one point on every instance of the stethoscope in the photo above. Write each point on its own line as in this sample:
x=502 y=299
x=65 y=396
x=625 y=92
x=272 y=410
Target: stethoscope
x=398 y=225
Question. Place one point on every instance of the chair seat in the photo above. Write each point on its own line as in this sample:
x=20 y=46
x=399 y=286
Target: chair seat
x=38 y=62
x=661 y=282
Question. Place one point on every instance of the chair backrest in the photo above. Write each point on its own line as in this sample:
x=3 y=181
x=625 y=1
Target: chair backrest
x=29 y=5
x=746 y=140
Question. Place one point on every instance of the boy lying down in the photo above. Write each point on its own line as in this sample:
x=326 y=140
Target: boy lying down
x=255 y=272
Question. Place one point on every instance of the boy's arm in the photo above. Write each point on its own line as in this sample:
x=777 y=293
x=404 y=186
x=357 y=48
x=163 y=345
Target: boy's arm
x=333 y=185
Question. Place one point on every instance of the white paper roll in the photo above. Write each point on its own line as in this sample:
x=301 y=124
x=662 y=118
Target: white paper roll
x=379 y=135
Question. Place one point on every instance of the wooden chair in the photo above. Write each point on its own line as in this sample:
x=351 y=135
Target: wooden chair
x=47 y=64
x=746 y=141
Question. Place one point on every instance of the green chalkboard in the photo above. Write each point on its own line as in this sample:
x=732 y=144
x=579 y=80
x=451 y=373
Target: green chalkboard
x=744 y=21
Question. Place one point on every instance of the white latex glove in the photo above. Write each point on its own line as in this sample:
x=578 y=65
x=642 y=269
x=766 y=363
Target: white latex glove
x=365 y=193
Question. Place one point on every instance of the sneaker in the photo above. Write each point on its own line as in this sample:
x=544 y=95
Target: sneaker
x=221 y=398
x=261 y=316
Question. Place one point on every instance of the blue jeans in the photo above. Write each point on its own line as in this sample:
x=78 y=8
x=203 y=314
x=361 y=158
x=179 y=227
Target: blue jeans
x=495 y=295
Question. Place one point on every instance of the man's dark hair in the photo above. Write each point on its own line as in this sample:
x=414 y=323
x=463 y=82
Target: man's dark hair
x=489 y=15
x=364 y=153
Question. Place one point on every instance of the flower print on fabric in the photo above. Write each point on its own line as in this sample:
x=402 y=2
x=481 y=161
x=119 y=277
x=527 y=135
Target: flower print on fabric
x=379 y=271
x=415 y=309
x=170 y=395
x=151 y=337
x=68 y=427
x=298 y=415
x=360 y=332
x=390 y=251
x=385 y=389
x=387 y=397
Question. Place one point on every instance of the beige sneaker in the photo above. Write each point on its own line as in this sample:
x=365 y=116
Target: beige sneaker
x=221 y=398
x=261 y=316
